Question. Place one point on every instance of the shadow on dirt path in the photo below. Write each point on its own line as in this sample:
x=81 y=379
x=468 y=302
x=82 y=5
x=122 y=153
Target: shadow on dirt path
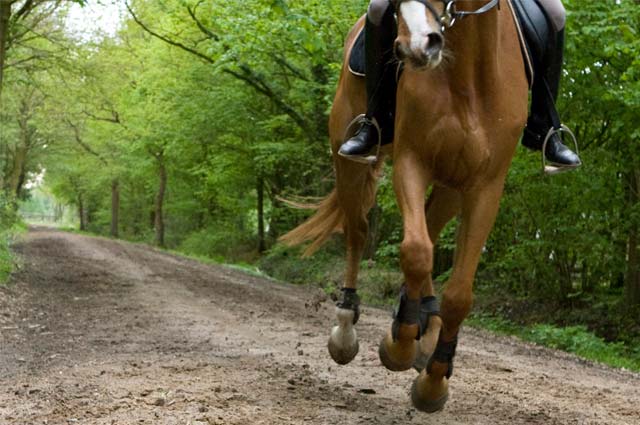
x=95 y=331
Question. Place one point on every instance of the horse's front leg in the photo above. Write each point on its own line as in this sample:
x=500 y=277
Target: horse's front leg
x=479 y=210
x=443 y=204
x=398 y=348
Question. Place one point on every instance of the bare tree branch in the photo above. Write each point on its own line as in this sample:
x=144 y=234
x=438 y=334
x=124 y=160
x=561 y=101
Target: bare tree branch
x=245 y=73
x=167 y=39
x=205 y=30
x=114 y=119
x=258 y=82
x=82 y=143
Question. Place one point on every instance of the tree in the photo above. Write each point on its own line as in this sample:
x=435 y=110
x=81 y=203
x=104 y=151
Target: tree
x=20 y=24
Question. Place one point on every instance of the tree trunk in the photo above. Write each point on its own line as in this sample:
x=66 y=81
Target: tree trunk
x=17 y=175
x=5 y=15
x=162 y=186
x=588 y=284
x=58 y=212
x=17 y=170
x=81 y=213
x=262 y=245
x=632 y=283
x=115 y=207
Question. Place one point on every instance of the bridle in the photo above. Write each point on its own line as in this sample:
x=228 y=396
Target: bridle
x=450 y=15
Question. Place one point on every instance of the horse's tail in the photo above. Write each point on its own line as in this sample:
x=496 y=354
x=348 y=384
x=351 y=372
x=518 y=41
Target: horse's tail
x=328 y=219
x=331 y=213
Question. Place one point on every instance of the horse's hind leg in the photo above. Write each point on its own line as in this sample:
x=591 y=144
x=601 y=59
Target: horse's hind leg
x=443 y=204
x=479 y=210
x=356 y=185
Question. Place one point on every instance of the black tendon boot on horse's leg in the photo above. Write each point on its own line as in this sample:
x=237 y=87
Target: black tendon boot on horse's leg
x=377 y=126
x=398 y=349
x=543 y=116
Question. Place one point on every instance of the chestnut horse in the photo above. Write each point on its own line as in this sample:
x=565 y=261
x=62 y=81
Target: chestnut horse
x=458 y=122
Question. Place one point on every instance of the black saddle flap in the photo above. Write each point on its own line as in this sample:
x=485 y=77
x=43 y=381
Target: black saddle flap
x=356 y=58
x=536 y=28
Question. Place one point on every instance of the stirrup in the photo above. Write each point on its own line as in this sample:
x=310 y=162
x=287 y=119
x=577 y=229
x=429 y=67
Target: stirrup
x=553 y=169
x=369 y=159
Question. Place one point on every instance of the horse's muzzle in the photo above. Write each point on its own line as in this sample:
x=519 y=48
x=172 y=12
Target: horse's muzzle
x=420 y=51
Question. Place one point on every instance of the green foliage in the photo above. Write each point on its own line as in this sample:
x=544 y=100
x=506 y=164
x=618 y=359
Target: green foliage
x=323 y=269
x=221 y=243
x=10 y=226
x=553 y=238
x=377 y=283
x=573 y=339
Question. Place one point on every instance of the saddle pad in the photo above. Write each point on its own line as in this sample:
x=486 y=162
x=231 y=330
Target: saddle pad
x=356 y=56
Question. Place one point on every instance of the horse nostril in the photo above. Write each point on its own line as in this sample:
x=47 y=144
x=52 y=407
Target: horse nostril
x=435 y=42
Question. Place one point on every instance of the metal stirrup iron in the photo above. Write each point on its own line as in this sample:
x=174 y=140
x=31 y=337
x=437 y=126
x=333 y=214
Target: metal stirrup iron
x=550 y=169
x=362 y=119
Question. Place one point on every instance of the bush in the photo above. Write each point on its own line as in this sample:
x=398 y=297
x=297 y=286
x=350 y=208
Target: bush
x=221 y=243
x=573 y=339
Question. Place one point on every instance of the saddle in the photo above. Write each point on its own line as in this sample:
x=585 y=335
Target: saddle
x=534 y=33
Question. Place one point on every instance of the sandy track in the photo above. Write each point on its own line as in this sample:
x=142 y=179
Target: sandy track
x=94 y=331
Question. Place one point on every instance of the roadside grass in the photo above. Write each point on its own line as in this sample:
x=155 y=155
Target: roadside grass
x=8 y=260
x=573 y=339
x=220 y=260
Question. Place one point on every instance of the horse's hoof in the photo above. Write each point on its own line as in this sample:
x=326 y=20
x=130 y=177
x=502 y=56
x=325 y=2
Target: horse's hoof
x=429 y=395
x=426 y=347
x=343 y=345
x=396 y=355
x=421 y=361
x=427 y=344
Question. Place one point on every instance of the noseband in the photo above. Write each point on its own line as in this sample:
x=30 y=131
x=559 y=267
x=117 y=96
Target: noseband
x=450 y=15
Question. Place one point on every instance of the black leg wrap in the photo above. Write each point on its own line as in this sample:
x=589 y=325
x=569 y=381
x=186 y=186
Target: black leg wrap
x=429 y=306
x=350 y=301
x=407 y=313
x=444 y=353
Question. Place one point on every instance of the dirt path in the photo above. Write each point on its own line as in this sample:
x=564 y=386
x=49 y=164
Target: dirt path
x=94 y=331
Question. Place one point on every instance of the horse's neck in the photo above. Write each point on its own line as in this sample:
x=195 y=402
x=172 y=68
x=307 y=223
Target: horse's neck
x=475 y=44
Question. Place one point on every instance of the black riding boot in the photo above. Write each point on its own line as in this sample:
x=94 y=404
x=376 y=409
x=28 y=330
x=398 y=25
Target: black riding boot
x=380 y=82
x=543 y=114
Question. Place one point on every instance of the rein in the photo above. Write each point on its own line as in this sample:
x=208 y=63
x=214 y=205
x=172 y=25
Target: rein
x=450 y=15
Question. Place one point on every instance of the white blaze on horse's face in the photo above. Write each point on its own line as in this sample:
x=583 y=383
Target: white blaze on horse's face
x=420 y=40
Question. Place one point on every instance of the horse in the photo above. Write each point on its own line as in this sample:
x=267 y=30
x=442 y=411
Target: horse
x=457 y=124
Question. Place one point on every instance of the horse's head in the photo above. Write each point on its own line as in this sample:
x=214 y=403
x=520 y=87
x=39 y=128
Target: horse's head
x=420 y=31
